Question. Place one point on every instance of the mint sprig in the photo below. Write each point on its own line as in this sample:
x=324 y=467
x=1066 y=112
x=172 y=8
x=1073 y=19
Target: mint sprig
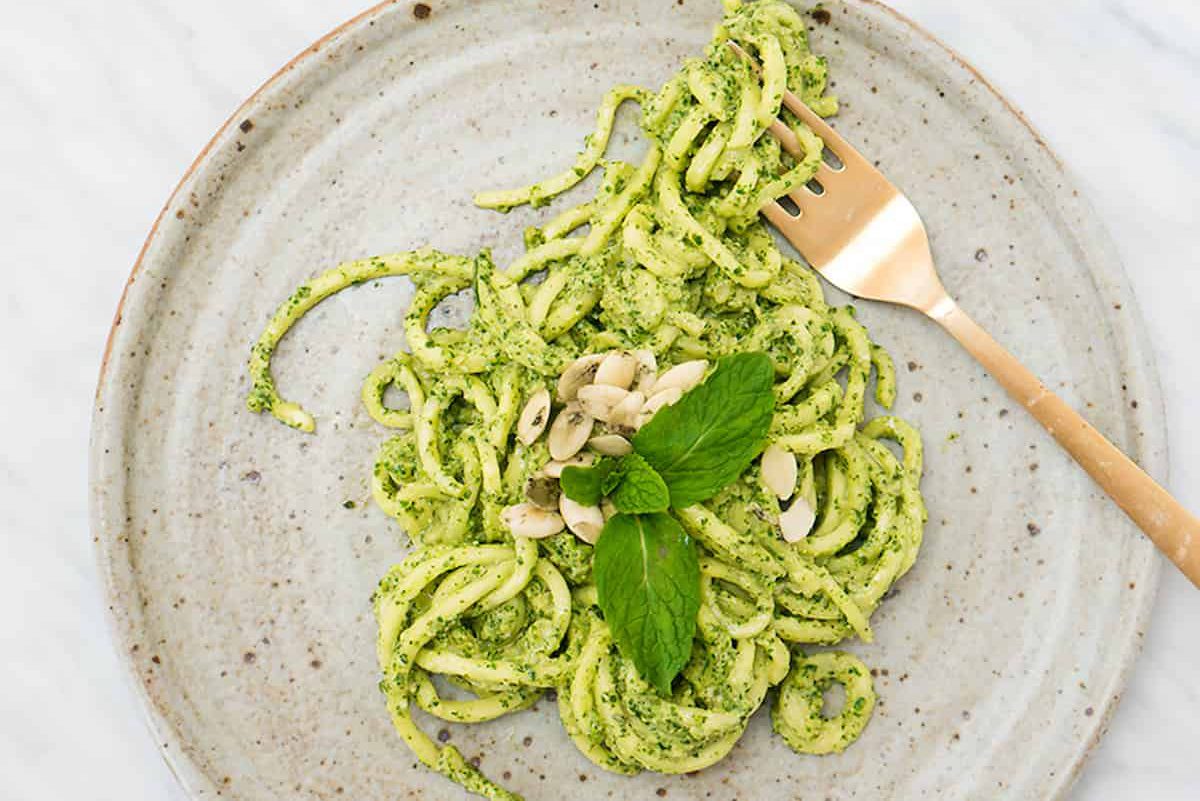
x=704 y=441
x=587 y=485
x=648 y=582
x=641 y=489
x=645 y=566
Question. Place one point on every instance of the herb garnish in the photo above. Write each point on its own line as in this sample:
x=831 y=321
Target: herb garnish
x=648 y=580
x=702 y=443
x=587 y=485
x=641 y=489
x=645 y=566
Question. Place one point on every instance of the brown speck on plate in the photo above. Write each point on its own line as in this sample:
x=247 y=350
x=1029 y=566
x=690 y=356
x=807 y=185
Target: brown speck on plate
x=422 y=11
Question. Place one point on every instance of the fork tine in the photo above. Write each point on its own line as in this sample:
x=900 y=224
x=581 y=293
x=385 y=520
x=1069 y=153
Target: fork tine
x=787 y=139
x=821 y=128
x=846 y=152
x=826 y=176
x=778 y=216
x=840 y=147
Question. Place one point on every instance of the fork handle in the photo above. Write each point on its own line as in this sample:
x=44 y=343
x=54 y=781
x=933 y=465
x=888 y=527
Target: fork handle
x=1172 y=528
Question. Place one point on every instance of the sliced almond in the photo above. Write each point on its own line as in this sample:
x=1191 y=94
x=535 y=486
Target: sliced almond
x=534 y=417
x=580 y=373
x=528 y=520
x=625 y=413
x=685 y=376
x=658 y=401
x=611 y=428
x=543 y=491
x=610 y=445
x=554 y=469
x=584 y=522
x=570 y=431
x=617 y=369
x=607 y=508
x=779 y=471
x=647 y=371
x=598 y=400
x=797 y=520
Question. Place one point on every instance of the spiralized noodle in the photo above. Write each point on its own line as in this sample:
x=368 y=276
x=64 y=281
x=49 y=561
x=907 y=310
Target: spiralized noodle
x=671 y=256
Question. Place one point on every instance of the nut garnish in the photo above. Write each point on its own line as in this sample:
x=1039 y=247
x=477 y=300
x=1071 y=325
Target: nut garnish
x=617 y=369
x=534 y=417
x=797 y=520
x=610 y=445
x=660 y=399
x=625 y=413
x=579 y=373
x=647 y=371
x=569 y=431
x=584 y=522
x=554 y=469
x=779 y=471
x=528 y=520
x=599 y=400
x=685 y=376
x=543 y=491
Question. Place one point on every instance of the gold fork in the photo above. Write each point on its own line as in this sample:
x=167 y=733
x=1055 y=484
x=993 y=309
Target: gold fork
x=865 y=237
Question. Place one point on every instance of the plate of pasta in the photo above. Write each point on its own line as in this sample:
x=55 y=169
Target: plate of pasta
x=578 y=479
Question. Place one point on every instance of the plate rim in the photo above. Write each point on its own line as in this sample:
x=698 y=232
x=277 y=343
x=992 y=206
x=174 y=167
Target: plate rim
x=1153 y=446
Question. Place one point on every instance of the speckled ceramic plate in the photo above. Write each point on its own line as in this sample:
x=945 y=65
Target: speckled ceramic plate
x=239 y=581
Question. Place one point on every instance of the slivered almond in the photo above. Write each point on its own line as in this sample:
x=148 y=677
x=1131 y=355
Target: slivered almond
x=610 y=445
x=534 y=417
x=584 y=522
x=579 y=373
x=779 y=471
x=625 y=413
x=617 y=369
x=599 y=400
x=570 y=431
x=685 y=376
x=528 y=520
x=647 y=371
x=543 y=491
x=607 y=508
x=796 y=521
x=554 y=469
x=658 y=401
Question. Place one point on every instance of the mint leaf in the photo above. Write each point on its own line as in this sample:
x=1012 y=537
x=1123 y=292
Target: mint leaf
x=640 y=488
x=648 y=580
x=613 y=478
x=703 y=442
x=586 y=484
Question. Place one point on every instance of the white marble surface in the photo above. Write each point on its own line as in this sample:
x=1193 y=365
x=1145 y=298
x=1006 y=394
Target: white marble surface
x=105 y=104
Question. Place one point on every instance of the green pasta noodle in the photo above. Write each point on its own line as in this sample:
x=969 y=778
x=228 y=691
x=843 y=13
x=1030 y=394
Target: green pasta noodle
x=670 y=258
